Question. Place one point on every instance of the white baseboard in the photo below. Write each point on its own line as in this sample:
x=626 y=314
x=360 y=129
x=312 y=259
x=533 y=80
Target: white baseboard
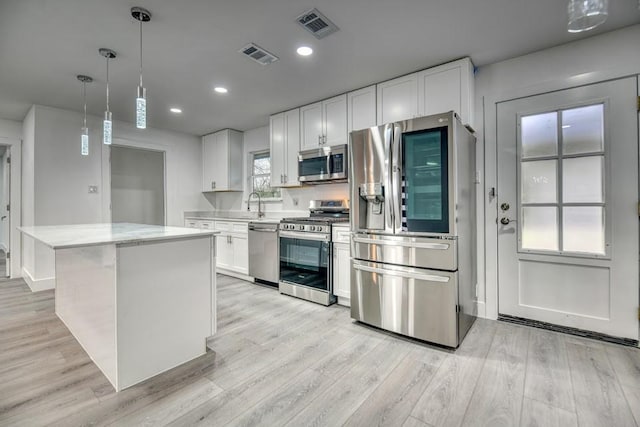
x=234 y=274
x=344 y=301
x=38 y=284
x=482 y=310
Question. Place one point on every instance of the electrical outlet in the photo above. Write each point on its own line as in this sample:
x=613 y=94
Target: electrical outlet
x=93 y=189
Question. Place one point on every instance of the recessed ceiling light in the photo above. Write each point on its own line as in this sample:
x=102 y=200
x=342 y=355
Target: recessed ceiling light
x=221 y=89
x=304 y=51
x=175 y=110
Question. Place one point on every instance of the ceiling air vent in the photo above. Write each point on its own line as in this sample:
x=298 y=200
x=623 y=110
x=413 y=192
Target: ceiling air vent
x=317 y=24
x=258 y=54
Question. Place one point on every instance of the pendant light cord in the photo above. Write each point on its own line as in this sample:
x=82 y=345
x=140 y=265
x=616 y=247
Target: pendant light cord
x=84 y=99
x=107 y=83
x=140 y=53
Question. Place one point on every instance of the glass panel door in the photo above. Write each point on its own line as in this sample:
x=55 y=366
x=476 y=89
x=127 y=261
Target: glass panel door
x=425 y=195
x=304 y=262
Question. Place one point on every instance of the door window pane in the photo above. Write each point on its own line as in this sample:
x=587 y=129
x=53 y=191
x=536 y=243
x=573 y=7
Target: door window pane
x=540 y=228
x=425 y=166
x=583 y=129
x=539 y=135
x=539 y=182
x=582 y=179
x=583 y=229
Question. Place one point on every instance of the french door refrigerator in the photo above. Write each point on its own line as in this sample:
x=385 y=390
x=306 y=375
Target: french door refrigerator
x=413 y=256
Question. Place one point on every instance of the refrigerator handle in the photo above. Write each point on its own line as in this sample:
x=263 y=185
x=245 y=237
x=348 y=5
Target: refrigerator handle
x=396 y=177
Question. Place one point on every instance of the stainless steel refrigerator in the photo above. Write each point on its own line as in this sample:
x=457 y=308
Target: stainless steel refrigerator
x=413 y=254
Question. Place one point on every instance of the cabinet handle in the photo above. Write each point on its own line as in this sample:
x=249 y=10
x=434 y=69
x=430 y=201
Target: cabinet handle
x=319 y=139
x=281 y=179
x=324 y=139
x=285 y=178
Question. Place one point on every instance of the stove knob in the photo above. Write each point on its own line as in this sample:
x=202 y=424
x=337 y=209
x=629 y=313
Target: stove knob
x=312 y=228
x=302 y=228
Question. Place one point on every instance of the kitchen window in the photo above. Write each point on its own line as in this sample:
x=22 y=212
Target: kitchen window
x=562 y=181
x=261 y=176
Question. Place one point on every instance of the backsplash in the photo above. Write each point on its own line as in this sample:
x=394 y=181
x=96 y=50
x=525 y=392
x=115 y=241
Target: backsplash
x=293 y=199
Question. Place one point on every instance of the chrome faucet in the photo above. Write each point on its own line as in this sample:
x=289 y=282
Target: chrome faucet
x=260 y=213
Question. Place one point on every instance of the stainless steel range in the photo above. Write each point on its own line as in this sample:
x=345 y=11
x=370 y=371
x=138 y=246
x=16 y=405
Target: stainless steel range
x=305 y=252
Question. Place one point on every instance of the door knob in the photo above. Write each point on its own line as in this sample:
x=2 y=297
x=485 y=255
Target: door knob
x=505 y=206
x=506 y=221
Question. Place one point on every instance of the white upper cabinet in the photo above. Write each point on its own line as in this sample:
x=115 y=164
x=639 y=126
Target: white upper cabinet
x=334 y=120
x=222 y=161
x=311 y=126
x=398 y=99
x=447 y=87
x=324 y=123
x=284 y=147
x=361 y=109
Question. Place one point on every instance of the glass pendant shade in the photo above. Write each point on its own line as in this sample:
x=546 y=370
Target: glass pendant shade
x=107 y=128
x=141 y=108
x=585 y=15
x=84 y=139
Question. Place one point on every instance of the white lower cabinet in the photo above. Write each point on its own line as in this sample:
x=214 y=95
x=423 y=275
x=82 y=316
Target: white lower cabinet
x=232 y=247
x=232 y=244
x=341 y=265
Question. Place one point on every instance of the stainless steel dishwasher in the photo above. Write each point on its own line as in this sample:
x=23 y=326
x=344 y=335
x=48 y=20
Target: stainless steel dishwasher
x=264 y=264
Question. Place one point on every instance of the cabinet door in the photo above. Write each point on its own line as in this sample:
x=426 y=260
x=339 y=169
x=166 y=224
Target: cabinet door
x=445 y=88
x=311 y=124
x=292 y=146
x=221 y=161
x=277 y=147
x=240 y=254
x=341 y=271
x=208 y=161
x=334 y=120
x=361 y=109
x=398 y=99
x=224 y=251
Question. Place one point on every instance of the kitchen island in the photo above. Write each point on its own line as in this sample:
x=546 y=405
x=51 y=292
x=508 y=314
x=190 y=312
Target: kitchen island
x=140 y=299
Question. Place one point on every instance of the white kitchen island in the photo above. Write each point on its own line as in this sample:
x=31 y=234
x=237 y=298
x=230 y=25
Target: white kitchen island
x=140 y=299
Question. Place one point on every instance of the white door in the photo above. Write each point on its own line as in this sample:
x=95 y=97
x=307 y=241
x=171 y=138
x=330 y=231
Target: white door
x=397 y=99
x=568 y=208
x=277 y=149
x=4 y=212
x=311 y=124
x=334 y=114
x=292 y=146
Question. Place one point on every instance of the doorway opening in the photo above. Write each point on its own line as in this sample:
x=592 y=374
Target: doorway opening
x=5 y=220
x=137 y=185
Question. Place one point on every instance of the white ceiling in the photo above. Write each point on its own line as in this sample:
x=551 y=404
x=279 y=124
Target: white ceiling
x=191 y=46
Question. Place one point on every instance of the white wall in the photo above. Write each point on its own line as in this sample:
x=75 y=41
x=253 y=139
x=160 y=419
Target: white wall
x=4 y=241
x=293 y=199
x=10 y=129
x=57 y=177
x=608 y=56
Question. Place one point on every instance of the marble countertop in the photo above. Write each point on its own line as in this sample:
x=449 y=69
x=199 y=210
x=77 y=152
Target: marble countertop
x=70 y=236
x=242 y=216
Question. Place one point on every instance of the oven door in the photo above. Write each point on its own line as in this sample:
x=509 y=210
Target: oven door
x=305 y=260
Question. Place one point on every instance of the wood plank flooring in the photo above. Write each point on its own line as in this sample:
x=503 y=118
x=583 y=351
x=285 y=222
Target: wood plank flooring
x=281 y=361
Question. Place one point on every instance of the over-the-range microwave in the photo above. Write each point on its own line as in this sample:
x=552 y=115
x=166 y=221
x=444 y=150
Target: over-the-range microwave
x=323 y=165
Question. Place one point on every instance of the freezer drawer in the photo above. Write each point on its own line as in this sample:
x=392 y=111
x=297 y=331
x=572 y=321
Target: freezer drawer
x=438 y=254
x=415 y=302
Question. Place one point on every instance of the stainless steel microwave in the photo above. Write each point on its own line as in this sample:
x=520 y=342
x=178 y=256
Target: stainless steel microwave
x=322 y=165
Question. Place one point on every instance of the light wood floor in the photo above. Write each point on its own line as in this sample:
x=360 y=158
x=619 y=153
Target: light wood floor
x=281 y=361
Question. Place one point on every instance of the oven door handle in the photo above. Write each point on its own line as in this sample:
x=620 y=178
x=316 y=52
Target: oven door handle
x=403 y=274
x=418 y=245
x=305 y=236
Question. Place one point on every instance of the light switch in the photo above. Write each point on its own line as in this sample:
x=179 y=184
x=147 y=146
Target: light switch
x=93 y=189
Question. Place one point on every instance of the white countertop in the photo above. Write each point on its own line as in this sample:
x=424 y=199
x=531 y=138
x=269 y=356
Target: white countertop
x=217 y=218
x=69 y=236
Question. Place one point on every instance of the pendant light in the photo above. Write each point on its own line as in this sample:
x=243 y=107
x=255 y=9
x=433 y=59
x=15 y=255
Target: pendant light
x=141 y=15
x=107 y=126
x=84 y=138
x=585 y=15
